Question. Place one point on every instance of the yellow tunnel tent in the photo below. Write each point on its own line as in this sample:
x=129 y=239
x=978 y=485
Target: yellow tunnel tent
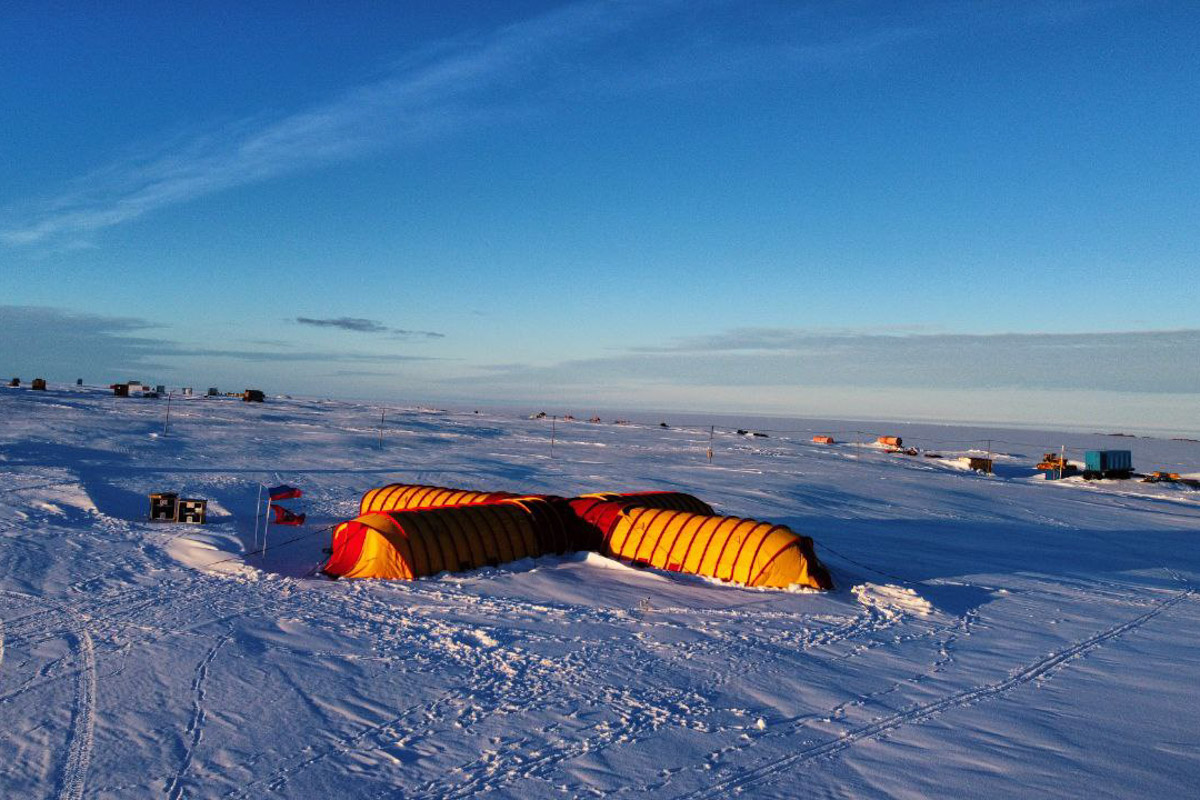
x=403 y=496
x=598 y=512
x=416 y=543
x=726 y=548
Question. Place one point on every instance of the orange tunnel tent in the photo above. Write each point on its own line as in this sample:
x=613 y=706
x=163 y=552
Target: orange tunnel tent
x=416 y=543
x=727 y=548
x=403 y=496
x=408 y=531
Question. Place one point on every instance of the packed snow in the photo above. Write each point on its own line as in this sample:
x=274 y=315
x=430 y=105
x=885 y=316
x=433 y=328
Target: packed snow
x=990 y=635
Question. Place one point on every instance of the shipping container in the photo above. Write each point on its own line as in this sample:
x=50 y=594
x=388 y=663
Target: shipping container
x=1107 y=463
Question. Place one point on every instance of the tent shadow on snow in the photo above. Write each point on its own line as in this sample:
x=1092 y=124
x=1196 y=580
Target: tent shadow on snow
x=917 y=551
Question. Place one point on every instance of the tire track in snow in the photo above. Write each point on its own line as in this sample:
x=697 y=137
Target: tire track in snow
x=83 y=723
x=195 y=728
x=966 y=697
x=83 y=708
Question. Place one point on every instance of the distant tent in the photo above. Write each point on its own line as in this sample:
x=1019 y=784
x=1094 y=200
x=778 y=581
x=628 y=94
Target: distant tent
x=727 y=548
x=403 y=496
x=412 y=544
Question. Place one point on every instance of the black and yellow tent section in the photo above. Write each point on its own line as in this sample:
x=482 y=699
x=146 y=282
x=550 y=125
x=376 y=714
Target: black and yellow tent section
x=597 y=512
x=403 y=496
x=734 y=549
x=413 y=544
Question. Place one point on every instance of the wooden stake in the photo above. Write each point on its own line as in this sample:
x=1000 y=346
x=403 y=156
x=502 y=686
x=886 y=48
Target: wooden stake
x=381 y=413
x=167 y=421
x=710 y=442
x=553 y=431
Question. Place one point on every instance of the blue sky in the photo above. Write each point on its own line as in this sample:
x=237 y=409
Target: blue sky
x=942 y=209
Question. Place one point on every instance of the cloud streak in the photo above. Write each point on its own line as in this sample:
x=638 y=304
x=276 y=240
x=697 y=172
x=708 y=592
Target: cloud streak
x=441 y=91
x=50 y=339
x=1154 y=362
x=359 y=325
x=570 y=52
x=355 y=324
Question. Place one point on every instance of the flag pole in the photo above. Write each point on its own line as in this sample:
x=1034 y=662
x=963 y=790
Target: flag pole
x=266 y=522
x=257 y=511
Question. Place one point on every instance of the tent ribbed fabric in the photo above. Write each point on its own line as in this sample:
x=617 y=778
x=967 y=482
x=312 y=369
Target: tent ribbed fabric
x=416 y=543
x=403 y=496
x=743 y=551
x=408 y=531
x=408 y=545
x=598 y=512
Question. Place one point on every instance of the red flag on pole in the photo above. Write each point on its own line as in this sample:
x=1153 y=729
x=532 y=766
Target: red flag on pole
x=285 y=517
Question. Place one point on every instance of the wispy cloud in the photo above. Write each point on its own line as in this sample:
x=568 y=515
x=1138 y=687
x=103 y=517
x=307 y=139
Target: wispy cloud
x=1156 y=362
x=439 y=91
x=469 y=81
x=355 y=324
x=39 y=338
x=359 y=325
x=401 y=333
x=477 y=79
x=756 y=339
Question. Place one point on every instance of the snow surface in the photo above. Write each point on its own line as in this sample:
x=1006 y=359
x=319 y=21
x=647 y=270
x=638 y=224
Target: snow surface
x=990 y=635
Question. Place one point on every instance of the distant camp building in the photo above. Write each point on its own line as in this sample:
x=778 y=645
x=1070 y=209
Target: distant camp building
x=39 y=384
x=253 y=396
x=132 y=389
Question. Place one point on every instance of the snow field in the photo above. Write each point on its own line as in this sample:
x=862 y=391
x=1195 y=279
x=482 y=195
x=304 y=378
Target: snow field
x=988 y=636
